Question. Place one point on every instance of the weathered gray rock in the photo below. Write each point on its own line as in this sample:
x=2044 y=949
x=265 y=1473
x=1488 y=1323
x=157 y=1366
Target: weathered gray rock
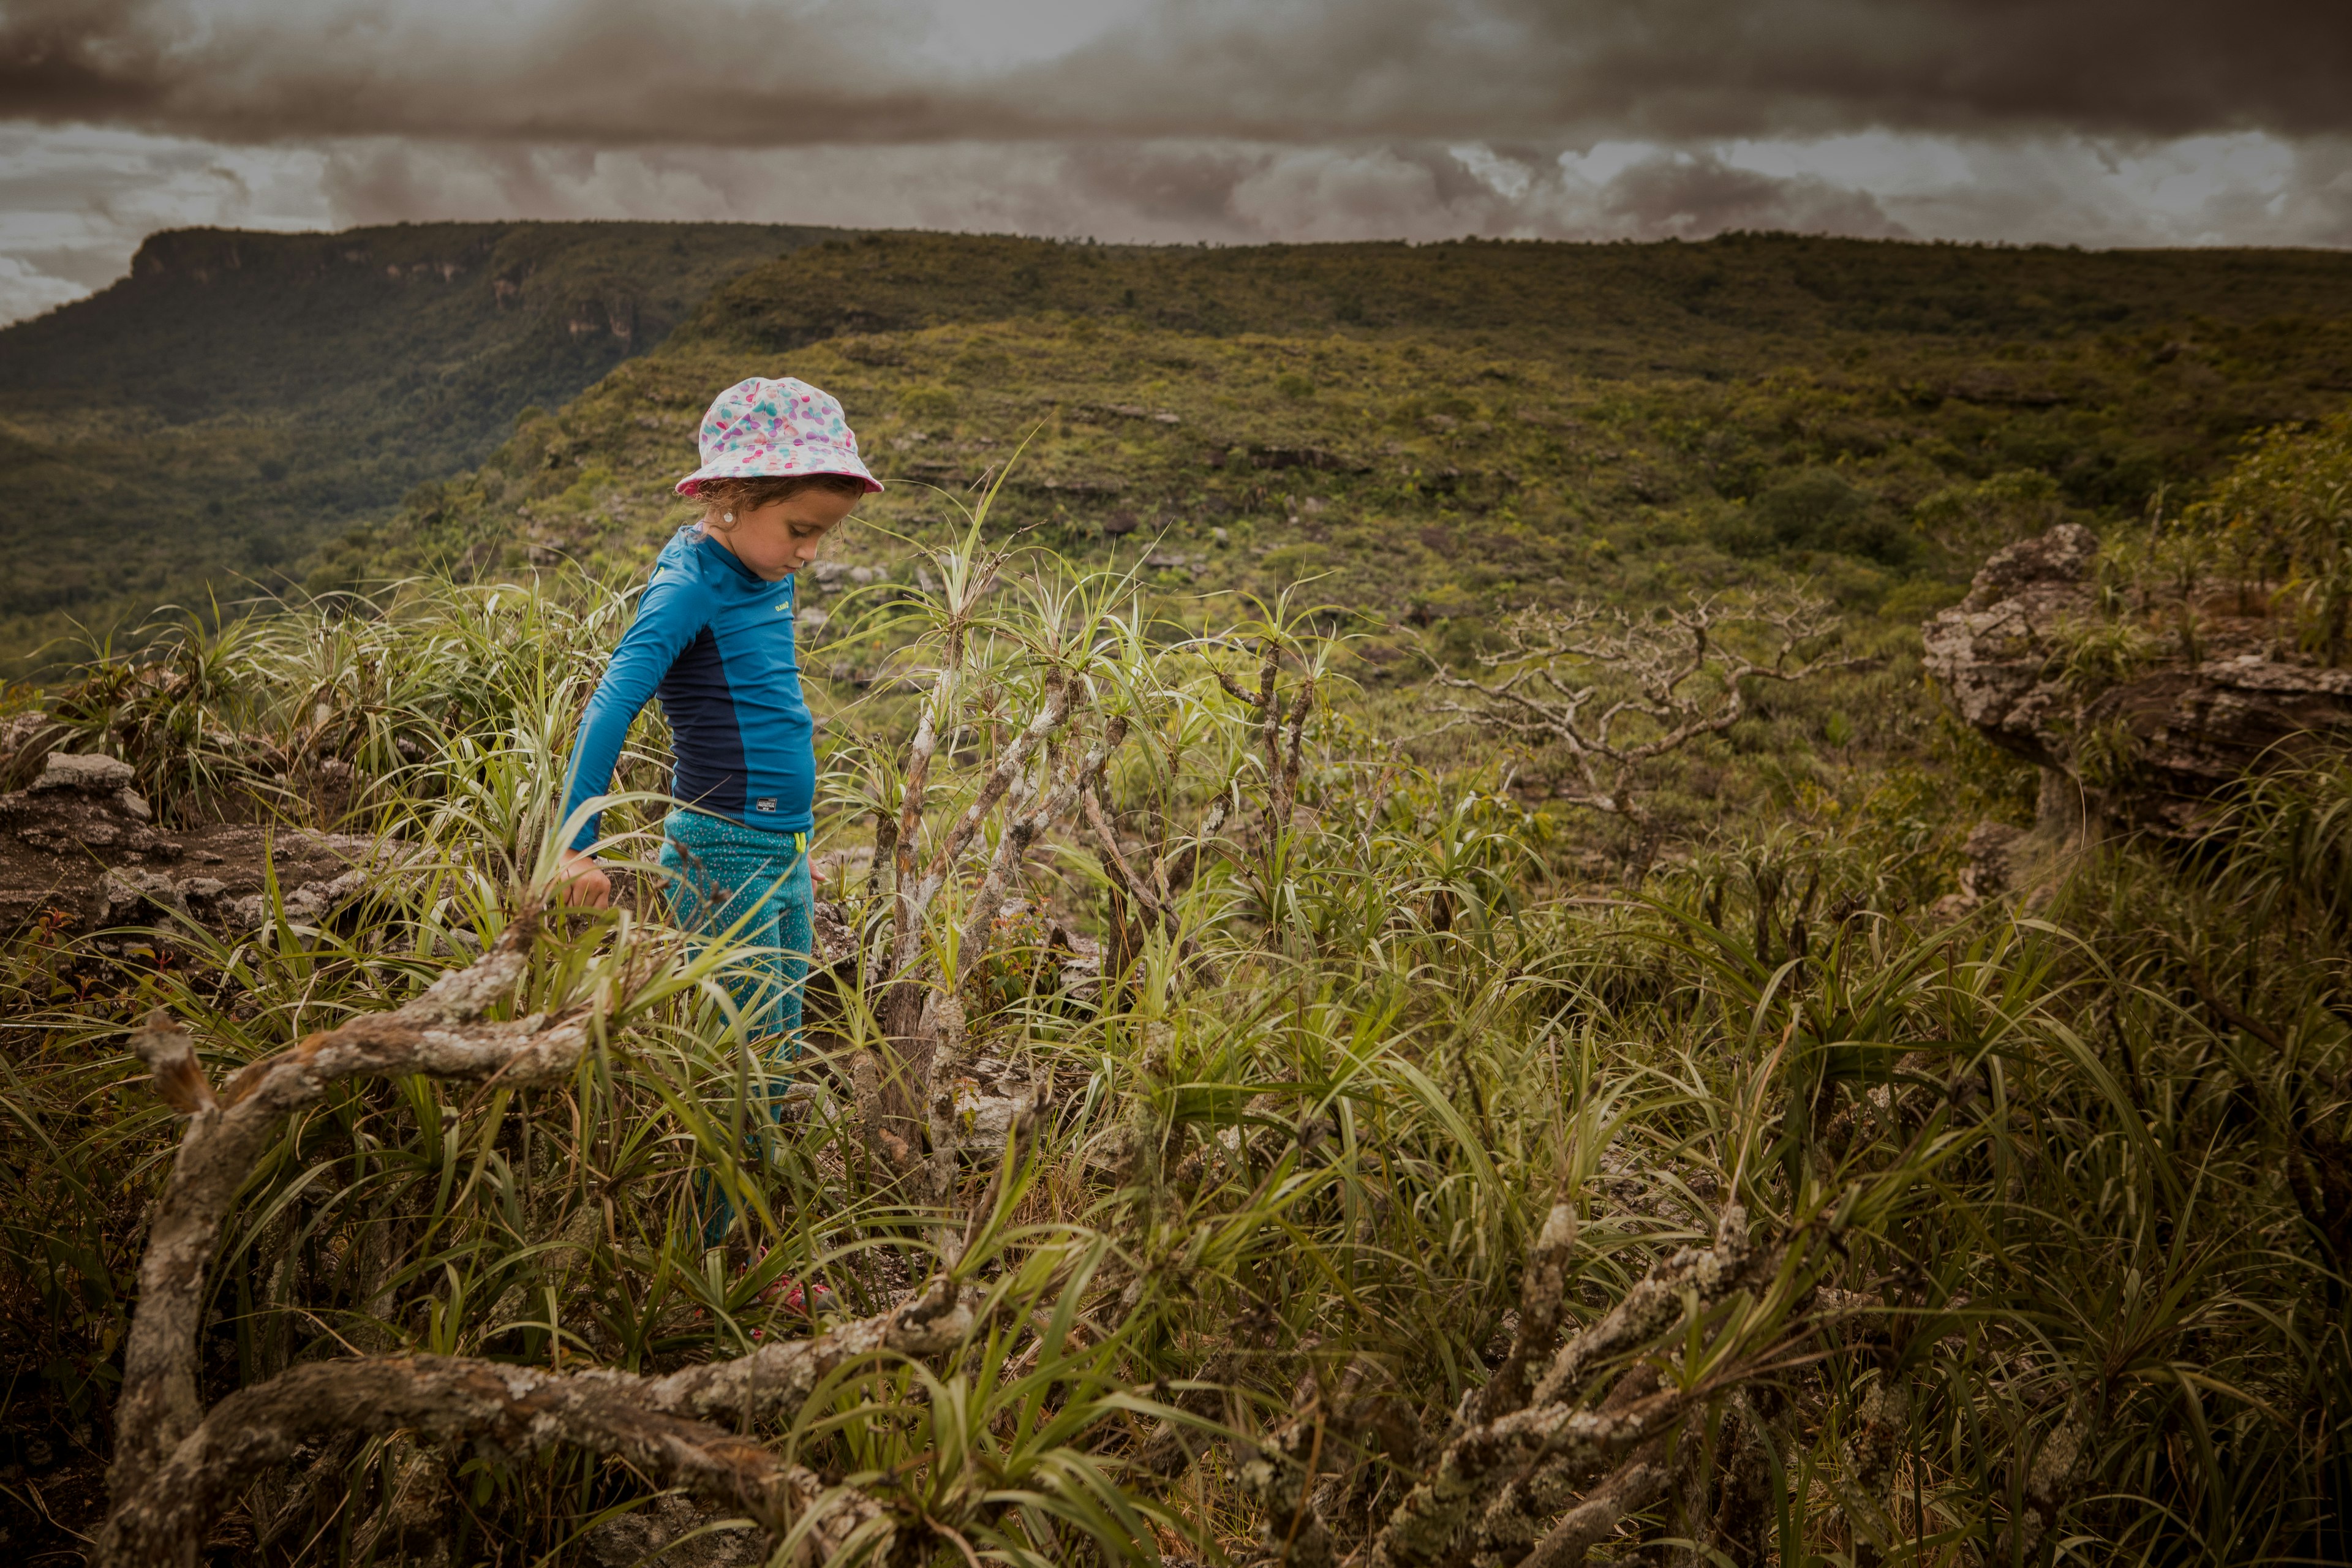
x=2151 y=750
x=665 y=1532
x=2195 y=731
x=80 y=851
x=20 y=731
x=1995 y=652
x=89 y=773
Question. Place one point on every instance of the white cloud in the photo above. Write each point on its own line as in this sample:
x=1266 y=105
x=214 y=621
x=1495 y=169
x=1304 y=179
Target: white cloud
x=24 y=290
x=76 y=201
x=1604 y=161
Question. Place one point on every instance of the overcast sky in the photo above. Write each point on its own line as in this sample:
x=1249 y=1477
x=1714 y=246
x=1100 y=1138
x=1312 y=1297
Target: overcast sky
x=2099 y=122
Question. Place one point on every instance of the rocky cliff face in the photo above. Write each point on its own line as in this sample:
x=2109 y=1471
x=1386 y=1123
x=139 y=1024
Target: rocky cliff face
x=2146 y=741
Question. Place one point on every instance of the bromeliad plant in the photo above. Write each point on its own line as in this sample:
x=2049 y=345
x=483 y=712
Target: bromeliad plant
x=1043 y=693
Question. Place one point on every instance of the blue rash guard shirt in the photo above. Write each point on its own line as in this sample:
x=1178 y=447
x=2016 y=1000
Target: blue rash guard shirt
x=714 y=642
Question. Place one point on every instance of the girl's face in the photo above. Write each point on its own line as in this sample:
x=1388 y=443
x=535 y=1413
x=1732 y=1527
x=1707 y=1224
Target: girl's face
x=780 y=538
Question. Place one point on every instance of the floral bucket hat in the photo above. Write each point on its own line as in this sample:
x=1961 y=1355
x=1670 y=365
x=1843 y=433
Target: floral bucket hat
x=762 y=428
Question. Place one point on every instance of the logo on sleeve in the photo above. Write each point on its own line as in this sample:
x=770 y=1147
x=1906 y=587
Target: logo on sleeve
x=765 y=803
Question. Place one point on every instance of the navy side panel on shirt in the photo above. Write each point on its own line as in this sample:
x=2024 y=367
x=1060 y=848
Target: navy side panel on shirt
x=715 y=642
x=712 y=770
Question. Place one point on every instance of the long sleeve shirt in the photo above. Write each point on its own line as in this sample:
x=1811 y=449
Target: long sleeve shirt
x=714 y=642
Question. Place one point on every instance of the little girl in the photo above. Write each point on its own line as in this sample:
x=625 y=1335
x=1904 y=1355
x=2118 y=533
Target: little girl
x=713 y=638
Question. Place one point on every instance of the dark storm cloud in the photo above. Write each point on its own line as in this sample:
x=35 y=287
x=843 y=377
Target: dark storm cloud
x=607 y=72
x=1684 y=196
x=1191 y=184
x=717 y=72
x=2125 y=122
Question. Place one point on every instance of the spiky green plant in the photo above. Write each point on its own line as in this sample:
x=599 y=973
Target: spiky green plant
x=2054 y=1204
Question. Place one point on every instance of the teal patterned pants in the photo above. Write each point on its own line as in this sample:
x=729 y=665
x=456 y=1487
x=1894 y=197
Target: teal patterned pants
x=721 y=873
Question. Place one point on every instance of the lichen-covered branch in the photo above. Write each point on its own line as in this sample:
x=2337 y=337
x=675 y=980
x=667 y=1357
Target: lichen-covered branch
x=511 y=1411
x=1518 y=1459
x=683 y=1429
x=1539 y=1303
x=1632 y=1487
x=1576 y=1445
x=1022 y=830
x=890 y=1094
x=773 y=1381
x=442 y=1032
x=1656 y=1302
x=915 y=895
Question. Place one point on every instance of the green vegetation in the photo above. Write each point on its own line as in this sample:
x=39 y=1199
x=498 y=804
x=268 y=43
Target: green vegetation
x=1492 y=430
x=1410 y=1110
x=1442 y=429
x=198 y=429
x=2283 y=518
x=2026 y=1230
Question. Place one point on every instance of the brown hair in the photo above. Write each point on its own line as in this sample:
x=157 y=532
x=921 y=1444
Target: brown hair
x=722 y=496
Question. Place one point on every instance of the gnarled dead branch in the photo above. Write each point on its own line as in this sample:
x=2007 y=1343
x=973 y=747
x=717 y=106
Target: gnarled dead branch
x=1539 y=1303
x=176 y=1466
x=682 y=1429
x=1615 y=691
x=1036 y=779
x=1518 y=1459
x=507 y=1410
x=442 y=1032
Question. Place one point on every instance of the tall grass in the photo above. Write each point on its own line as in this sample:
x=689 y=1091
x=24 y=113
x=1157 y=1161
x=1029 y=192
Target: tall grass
x=2054 y=1287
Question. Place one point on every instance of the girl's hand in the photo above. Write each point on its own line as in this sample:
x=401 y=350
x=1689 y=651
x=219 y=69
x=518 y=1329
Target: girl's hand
x=581 y=882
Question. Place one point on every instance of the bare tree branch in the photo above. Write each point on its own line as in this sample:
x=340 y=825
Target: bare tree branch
x=668 y=1427
x=1022 y=830
x=1615 y=691
x=1499 y=1476
x=1539 y=1303
x=1632 y=1487
x=174 y=1472
x=440 y=1032
x=890 y=1095
x=1576 y=1444
x=915 y=900
x=1656 y=1301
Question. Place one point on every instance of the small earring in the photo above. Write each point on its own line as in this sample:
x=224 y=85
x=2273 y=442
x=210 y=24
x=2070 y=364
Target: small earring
x=730 y=517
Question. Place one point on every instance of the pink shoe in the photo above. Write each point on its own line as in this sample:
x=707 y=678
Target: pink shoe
x=792 y=1296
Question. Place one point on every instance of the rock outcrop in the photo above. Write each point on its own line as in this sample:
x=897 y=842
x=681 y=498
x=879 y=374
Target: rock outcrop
x=2153 y=740
x=80 y=849
x=1996 y=653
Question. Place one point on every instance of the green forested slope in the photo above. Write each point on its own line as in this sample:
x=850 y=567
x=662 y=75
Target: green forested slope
x=1438 y=432
x=240 y=398
x=1430 y=431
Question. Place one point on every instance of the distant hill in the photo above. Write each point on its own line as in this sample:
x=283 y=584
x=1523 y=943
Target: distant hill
x=240 y=398
x=1437 y=433
x=1621 y=309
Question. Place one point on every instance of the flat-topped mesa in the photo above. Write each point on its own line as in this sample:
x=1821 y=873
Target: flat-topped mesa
x=2148 y=738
